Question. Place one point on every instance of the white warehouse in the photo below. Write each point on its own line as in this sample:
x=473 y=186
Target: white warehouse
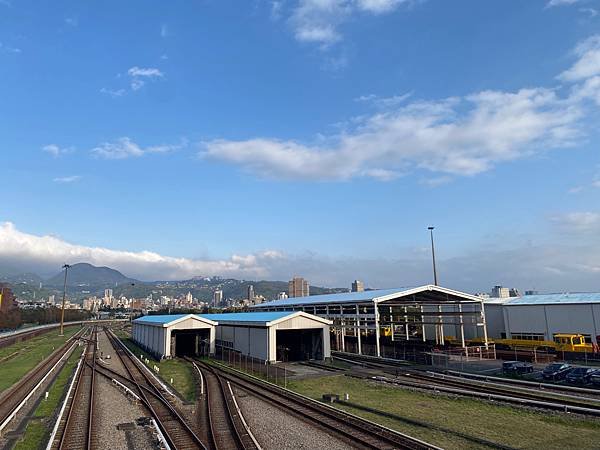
x=268 y=336
x=539 y=317
x=175 y=335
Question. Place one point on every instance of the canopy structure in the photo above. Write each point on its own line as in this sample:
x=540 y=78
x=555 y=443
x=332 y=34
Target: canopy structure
x=426 y=314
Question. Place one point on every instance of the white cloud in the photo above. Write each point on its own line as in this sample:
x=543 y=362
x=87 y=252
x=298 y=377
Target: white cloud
x=57 y=151
x=552 y=3
x=456 y=136
x=72 y=21
x=318 y=21
x=591 y=11
x=588 y=62
x=459 y=136
x=139 y=76
x=47 y=252
x=8 y=49
x=276 y=9
x=164 y=30
x=69 y=179
x=384 y=102
x=527 y=262
x=124 y=148
x=113 y=93
x=583 y=221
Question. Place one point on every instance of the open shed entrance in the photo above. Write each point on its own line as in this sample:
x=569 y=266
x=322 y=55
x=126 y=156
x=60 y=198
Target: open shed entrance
x=190 y=342
x=299 y=345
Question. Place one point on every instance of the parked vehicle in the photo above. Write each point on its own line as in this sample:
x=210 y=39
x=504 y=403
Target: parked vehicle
x=595 y=378
x=556 y=371
x=580 y=375
x=516 y=367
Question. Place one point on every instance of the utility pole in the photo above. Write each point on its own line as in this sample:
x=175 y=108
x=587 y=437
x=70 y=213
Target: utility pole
x=435 y=282
x=62 y=312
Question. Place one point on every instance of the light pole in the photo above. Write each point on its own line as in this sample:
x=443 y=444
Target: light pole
x=62 y=312
x=433 y=256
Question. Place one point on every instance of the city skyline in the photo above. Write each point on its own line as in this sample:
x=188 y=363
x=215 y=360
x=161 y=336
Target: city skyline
x=179 y=154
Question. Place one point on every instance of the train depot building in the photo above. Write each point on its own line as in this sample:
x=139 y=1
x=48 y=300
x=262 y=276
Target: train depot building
x=166 y=336
x=265 y=336
x=385 y=322
x=545 y=317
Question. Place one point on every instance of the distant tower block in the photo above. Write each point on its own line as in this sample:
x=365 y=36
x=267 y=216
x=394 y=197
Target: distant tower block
x=358 y=286
x=298 y=287
x=250 y=293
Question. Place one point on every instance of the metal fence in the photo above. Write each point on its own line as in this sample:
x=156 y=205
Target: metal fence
x=257 y=367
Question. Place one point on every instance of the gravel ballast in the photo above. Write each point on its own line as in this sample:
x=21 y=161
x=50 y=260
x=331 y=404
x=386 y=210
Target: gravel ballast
x=274 y=428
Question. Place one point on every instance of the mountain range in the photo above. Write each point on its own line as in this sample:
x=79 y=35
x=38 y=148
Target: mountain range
x=85 y=279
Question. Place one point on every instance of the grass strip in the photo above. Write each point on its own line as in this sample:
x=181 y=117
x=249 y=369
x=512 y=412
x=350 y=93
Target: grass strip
x=39 y=427
x=30 y=354
x=506 y=425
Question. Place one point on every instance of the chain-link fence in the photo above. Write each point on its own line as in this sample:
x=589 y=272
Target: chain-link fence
x=254 y=366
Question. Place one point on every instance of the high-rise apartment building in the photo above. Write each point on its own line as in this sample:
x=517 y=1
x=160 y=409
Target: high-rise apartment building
x=217 y=297
x=298 y=287
x=250 y=293
x=358 y=286
x=500 y=292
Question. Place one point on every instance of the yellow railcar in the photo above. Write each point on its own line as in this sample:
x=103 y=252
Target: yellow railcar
x=561 y=342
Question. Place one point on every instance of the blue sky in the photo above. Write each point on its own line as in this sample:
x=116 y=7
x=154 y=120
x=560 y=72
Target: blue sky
x=268 y=139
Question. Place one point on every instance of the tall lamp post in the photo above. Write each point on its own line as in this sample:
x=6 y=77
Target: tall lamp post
x=62 y=312
x=435 y=282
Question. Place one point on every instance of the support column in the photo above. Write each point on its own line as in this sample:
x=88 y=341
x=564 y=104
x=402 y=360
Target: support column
x=358 y=329
x=441 y=325
x=423 y=325
x=392 y=322
x=462 y=327
x=343 y=328
x=485 y=335
x=377 y=332
x=406 y=322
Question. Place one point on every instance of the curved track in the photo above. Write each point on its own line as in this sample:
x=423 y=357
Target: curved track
x=219 y=419
x=354 y=430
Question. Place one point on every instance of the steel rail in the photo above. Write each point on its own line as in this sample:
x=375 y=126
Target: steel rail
x=72 y=432
x=180 y=436
x=14 y=398
x=347 y=426
x=224 y=422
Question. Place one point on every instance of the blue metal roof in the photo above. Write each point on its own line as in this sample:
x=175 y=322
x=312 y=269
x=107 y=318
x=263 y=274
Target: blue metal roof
x=247 y=316
x=344 y=297
x=159 y=319
x=551 y=299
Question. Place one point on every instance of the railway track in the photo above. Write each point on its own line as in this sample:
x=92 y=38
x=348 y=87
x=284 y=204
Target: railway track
x=220 y=419
x=352 y=429
x=12 y=399
x=78 y=424
x=512 y=393
x=177 y=433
